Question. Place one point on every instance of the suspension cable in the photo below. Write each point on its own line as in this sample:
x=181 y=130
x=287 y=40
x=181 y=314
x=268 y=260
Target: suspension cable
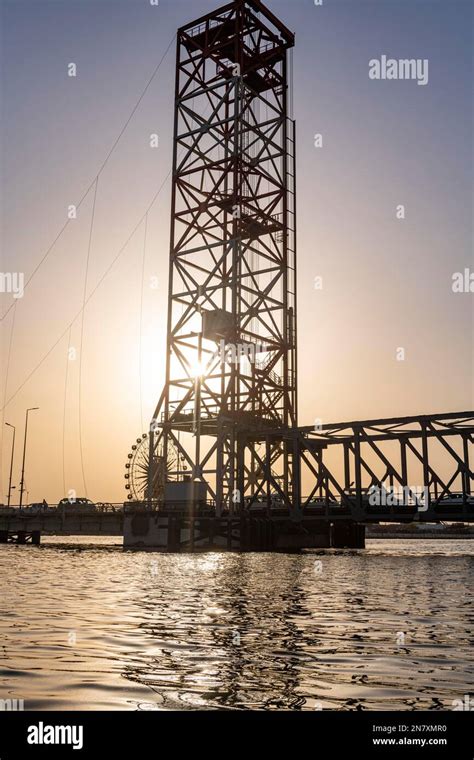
x=101 y=168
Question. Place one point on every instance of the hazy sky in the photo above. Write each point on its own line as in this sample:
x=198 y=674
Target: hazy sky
x=387 y=282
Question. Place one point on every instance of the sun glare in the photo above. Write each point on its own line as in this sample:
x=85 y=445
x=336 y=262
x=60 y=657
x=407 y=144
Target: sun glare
x=197 y=367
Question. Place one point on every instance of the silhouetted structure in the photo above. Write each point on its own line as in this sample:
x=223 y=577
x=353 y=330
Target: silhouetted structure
x=225 y=435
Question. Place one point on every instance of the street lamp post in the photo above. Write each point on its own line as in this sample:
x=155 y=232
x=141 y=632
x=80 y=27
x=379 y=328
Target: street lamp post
x=31 y=409
x=11 y=462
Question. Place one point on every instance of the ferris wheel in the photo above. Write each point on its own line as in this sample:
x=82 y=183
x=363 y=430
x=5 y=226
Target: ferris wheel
x=137 y=469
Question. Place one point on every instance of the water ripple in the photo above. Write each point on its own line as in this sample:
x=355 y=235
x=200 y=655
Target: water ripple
x=93 y=627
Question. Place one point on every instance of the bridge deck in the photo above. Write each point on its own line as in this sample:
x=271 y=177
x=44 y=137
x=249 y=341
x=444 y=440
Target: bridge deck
x=112 y=523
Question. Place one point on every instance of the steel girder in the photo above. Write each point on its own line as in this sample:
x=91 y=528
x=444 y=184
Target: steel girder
x=231 y=346
x=417 y=467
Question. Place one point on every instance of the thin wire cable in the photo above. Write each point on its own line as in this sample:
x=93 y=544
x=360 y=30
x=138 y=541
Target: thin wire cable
x=100 y=281
x=64 y=408
x=7 y=373
x=81 y=342
x=141 y=321
x=101 y=168
x=91 y=294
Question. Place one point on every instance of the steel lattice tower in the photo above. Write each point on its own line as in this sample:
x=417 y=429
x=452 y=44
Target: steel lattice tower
x=231 y=345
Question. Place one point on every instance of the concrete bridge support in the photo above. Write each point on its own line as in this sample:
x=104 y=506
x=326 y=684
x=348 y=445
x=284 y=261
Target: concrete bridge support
x=21 y=537
x=347 y=535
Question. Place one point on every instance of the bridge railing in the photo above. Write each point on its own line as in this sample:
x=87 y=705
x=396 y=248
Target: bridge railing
x=70 y=508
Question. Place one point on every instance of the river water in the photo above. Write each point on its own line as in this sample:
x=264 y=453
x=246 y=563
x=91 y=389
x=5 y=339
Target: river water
x=85 y=625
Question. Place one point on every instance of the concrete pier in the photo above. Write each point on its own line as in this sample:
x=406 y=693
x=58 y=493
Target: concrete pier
x=21 y=537
x=181 y=532
x=348 y=535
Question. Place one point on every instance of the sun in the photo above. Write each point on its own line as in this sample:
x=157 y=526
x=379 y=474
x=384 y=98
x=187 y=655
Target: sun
x=197 y=367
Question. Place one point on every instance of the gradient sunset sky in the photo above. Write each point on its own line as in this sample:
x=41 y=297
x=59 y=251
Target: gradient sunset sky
x=387 y=283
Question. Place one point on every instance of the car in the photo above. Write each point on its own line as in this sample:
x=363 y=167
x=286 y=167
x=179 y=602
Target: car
x=36 y=508
x=452 y=500
x=79 y=504
x=456 y=501
x=107 y=506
